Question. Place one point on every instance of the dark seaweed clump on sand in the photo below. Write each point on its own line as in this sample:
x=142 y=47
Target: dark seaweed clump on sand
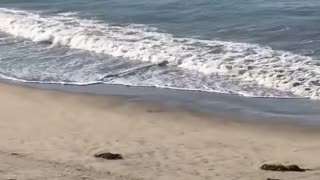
x=109 y=156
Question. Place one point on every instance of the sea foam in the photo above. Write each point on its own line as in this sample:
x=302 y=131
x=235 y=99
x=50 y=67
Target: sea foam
x=247 y=64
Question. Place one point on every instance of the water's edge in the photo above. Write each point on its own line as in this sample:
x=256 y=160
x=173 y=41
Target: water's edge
x=297 y=111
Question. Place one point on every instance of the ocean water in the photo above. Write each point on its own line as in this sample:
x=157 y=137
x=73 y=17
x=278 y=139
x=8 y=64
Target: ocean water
x=256 y=48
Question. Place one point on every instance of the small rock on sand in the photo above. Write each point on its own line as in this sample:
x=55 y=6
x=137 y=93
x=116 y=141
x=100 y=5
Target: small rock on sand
x=109 y=156
x=279 y=167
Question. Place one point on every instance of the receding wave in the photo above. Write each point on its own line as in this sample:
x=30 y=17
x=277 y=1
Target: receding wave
x=246 y=64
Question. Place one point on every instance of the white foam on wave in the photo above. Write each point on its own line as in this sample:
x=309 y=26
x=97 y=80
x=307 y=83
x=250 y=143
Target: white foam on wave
x=245 y=63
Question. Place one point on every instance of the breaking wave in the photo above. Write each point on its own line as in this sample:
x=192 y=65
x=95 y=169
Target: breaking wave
x=247 y=64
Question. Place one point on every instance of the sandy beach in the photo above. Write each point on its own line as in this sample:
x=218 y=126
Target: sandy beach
x=54 y=135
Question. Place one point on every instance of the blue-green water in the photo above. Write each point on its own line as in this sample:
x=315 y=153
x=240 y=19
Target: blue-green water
x=251 y=48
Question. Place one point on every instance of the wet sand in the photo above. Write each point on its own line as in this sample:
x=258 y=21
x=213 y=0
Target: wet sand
x=55 y=136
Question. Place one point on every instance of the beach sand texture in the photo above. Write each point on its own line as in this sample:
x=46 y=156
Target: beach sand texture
x=55 y=136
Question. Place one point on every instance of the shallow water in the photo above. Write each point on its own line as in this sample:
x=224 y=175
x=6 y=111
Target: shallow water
x=251 y=48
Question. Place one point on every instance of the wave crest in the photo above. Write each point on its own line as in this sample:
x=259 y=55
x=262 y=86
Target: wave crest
x=246 y=63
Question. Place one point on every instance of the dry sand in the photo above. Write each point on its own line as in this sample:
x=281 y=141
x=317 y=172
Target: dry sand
x=55 y=136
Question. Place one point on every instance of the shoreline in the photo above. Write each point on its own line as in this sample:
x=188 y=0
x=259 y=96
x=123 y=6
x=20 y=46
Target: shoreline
x=303 y=112
x=51 y=130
